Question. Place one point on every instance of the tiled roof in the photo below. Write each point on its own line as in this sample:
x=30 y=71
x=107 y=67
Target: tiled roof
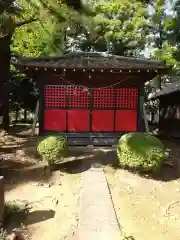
x=90 y=60
x=169 y=88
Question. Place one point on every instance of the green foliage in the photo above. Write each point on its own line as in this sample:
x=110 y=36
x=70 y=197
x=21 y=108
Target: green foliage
x=125 y=236
x=174 y=31
x=37 y=38
x=3 y=234
x=8 y=13
x=140 y=151
x=14 y=207
x=15 y=211
x=111 y=30
x=165 y=28
x=15 y=14
x=23 y=93
x=129 y=238
x=52 y=148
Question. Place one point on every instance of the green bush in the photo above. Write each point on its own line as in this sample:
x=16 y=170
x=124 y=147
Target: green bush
x=52 y=148
x=15 y=211
x=15 y=207
x=129 y=238
x=140 y=151
x=3 y=234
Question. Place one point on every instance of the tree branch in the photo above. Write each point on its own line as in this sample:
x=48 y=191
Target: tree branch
x=20 y=24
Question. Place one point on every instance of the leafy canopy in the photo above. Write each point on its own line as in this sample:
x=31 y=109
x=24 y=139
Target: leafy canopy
x=119 y=27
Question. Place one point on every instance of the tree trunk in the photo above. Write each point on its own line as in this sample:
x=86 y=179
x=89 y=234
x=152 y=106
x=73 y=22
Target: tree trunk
x=17 y=115
x=25 y=115
x=35 y=119
x=5 y=57
x=1 y=200
x=161 y=41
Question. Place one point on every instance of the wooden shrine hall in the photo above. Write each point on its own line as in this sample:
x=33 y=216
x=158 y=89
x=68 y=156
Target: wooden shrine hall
x=92 y=98
x=169 y=109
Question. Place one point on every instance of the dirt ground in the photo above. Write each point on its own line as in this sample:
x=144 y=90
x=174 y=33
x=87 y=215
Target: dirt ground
x=53 y=200
x=148 y=208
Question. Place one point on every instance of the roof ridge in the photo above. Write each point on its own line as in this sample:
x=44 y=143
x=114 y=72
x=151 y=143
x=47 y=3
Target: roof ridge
x=80 y=54
x=166 y=89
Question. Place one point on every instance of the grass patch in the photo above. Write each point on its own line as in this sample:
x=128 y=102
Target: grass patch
x=128 y=238
x=15 y=211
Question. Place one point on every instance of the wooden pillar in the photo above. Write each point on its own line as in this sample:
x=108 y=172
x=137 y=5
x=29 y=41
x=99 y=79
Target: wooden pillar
x=5 y=56
x=41 y=109
x=161 y=117
x=1 y=200
x=141 y=124
x=35 y=119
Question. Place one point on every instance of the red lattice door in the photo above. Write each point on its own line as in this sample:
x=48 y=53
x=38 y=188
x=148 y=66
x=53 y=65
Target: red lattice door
x=78 y=109
x=103 y=110
x=114 y=109
x=55 y=108
x=66 y=108
x=126 y=109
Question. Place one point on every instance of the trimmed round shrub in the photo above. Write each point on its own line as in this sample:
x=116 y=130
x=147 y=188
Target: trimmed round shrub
x=140 y=151
x=52 y=148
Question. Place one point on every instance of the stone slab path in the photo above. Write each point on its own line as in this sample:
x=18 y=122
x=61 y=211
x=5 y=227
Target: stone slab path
x=97 y=216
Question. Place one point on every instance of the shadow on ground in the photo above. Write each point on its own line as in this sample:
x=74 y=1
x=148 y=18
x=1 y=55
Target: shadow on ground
x=79 y=159
x=15 y=177
x=39 y=216
x=19 y=162
x=20 y=130
x=16 y=219
x=84 y=159
x=165 y=174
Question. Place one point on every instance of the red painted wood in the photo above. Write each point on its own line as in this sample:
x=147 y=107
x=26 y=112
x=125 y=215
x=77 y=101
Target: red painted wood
x=78 y=120
x=78 y=97
x=103 y=98
x=102 y=120
x=55 y=96
x=126 y=120
x=78 y=103
x=126 y=97
x=55 y=119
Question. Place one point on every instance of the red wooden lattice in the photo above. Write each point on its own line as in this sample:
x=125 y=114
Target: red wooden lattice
x=78 y=97
x=103 y=98
x=126 y=98
x=67 y=108
x=55 y=96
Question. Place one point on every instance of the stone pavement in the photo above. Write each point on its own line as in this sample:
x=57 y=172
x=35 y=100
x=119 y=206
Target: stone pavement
x=97 y=216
